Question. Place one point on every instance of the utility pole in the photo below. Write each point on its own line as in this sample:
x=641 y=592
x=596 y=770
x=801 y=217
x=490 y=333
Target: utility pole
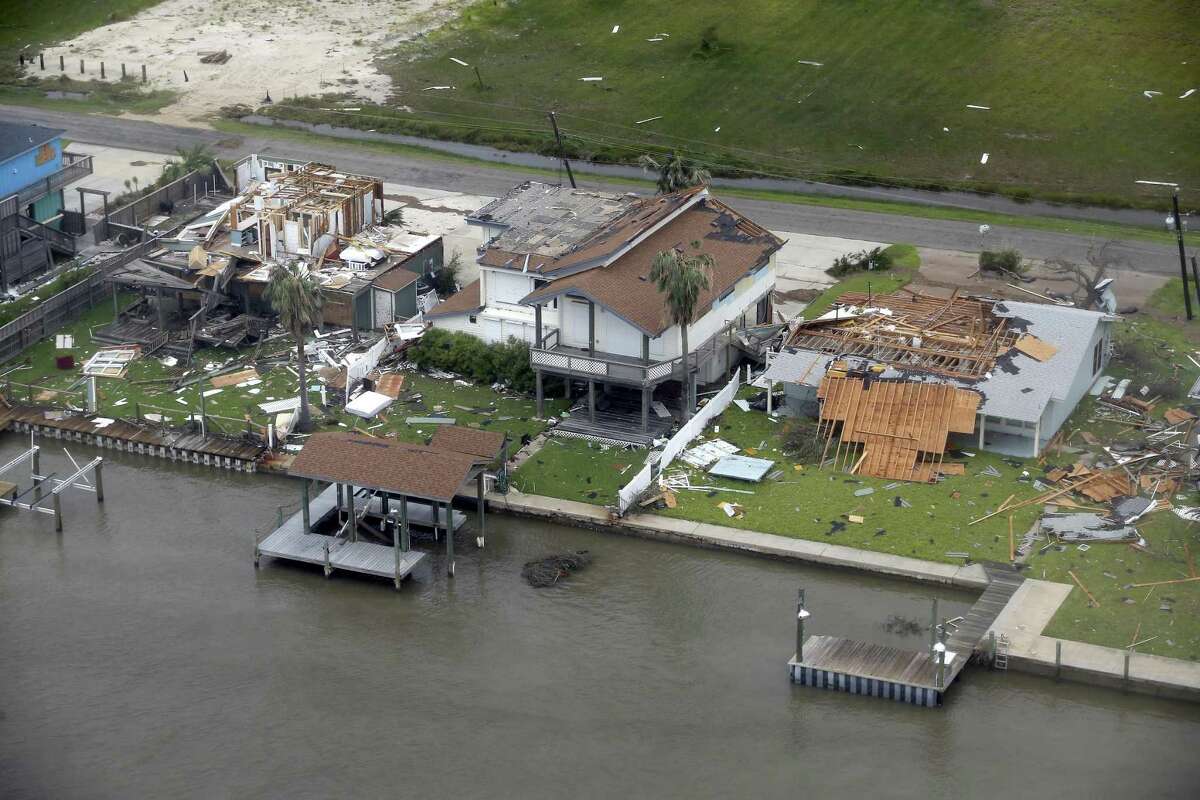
x=562 y=155
x=1183 y=272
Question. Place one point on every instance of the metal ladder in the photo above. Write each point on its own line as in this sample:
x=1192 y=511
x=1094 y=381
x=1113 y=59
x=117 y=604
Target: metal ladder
x=1000 y=658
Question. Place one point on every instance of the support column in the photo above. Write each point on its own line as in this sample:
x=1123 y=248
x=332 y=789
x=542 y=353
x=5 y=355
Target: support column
x=770 y=391
x=395 y=546
x=592 y=400
x=405 y=541
x=645 y=349
x=591 y=328
x=435 y=520
x=482 y=510
x=353 y=532
x=537 y=377
x=35 y=467
x=537 y=326
x=449 y=539
x=57 y=498
x=99 y=481
x=646 y=392
x=162 y=317
x=933 y=624
x=567 y=389
x=116 y=310
x=982 y=423
x=304 y=506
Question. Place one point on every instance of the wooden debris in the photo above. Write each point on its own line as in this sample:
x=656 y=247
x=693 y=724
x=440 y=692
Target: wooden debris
x=1178 y=415
x=1035 y=348
x=1095 y=603
x=234 y=378
x=1165 y=583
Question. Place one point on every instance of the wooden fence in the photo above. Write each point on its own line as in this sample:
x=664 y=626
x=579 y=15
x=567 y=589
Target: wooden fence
x=134 y=215
x=59 y=309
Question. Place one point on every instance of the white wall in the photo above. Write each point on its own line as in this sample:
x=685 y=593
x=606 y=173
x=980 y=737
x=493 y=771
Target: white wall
x=745 y=294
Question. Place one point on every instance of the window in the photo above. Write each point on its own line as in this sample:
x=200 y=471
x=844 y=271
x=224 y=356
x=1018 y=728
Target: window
x=1098 y=356
x=473 y=320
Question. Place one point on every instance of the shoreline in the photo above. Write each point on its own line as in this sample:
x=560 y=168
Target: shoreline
x=1022 y=620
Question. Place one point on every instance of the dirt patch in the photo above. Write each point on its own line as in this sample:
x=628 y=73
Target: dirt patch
x=284 y=49
x=950 y=269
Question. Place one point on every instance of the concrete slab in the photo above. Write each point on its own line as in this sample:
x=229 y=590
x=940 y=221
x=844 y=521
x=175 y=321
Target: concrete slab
x=111 y=167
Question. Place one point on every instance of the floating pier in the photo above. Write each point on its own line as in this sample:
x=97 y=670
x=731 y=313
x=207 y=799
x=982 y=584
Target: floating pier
x=919 y=677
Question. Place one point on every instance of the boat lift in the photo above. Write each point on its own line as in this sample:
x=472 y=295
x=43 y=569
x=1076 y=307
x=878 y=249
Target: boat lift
x=11 y=494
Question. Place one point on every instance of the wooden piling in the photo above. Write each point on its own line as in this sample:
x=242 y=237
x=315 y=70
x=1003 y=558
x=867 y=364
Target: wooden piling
x=102 y=70
x=99 y=481
x=143 y=73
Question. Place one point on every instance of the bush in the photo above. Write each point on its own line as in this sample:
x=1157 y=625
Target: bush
x=862 y=261
x=445 y=280
x=802 y=442
x=462 y=353
x=1008 y=261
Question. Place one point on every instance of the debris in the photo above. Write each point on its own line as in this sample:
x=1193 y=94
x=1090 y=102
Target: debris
x=744 y=405
x=983 y=159
x=660 y=410
x=855 y=518
x=1187 y=94
x=1150 y=93
x=213 y=57
x=64 y=341
x=459 y=61
x=429 y=420
x=811 y=63
x=280 y=406
x=210 y=392
x=979 y=108
x=1093 y=601
x=732 y=509
x=1165 y=583
x=547 y=571
x=110 y=363
x=864 y=492
x=703 y=455
x=368 y=404
x=990 y=471
x=1035 y=348
x=741 y=468
x=616 y=28
x=647 y=119
x=235 y=378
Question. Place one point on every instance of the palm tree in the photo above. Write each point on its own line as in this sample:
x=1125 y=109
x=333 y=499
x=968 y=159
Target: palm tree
x=682 y=278
x=675 y=173
x=295 y=295
x=194 y=158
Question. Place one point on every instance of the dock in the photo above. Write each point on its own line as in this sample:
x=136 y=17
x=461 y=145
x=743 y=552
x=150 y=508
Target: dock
x=290 y=542
x=133 y=437
x=918 y=677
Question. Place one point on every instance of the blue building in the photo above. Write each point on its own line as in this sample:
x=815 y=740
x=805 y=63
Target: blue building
x=34 y=171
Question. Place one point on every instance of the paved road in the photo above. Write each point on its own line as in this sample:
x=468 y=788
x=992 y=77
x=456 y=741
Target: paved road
x=481 y=179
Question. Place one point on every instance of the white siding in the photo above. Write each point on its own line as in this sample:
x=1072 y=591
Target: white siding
x=506 y=287
x=574 y=322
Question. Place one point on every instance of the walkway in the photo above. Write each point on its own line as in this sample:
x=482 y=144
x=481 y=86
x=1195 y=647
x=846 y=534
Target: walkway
x=1032 y=607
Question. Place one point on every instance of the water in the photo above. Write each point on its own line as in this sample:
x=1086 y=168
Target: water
x=141 y=655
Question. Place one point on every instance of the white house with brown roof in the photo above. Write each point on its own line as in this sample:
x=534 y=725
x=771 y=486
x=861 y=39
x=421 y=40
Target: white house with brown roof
x=567 y=270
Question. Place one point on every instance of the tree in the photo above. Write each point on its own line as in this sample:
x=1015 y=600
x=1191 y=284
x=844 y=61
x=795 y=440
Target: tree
x=295 y=295
x=675 y=173
x=194 y=158
x=682 y=277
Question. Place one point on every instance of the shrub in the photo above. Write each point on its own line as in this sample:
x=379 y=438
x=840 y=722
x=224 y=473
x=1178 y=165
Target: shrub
x=462 y=353
x=801 y=441
x=862 y=261
x=445 y=280
x=1009 y=261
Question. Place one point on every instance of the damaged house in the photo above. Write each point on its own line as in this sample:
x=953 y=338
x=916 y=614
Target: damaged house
x=206 y=282
x=567 y=271
x=891 y=372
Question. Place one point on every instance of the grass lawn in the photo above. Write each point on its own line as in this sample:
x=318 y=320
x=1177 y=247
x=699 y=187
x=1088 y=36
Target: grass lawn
x=875 y=283
x=807 y=503
x=1063 y=81
x=470 y=405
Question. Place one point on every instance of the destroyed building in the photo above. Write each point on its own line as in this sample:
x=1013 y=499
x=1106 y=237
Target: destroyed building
x=567 y=271
x=1027 y=366
x=205 y=282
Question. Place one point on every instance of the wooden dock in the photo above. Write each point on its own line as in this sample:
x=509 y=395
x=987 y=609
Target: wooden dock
x=133 y=437
x=907 y=676
x=290 y=542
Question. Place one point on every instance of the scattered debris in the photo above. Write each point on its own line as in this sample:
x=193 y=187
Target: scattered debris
x=549 y=570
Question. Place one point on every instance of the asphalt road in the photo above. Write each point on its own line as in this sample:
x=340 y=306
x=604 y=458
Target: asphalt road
x=481 y=179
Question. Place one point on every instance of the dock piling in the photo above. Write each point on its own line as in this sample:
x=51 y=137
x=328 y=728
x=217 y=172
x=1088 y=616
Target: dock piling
x=1058 y=659
x=449 y=538
x=304 y=506
x=405 y=543
x=98 y=469
x=35 y=470
x=801 y=615
x=482 y=510
x=933 y=616
x=57 y=500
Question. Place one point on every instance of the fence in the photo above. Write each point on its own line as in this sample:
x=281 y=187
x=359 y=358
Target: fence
x=57 y=310
x=132 y=215
x=363 y=364
x=631 y=491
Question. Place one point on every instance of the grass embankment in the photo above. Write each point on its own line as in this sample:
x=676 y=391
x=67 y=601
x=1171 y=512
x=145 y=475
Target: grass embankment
x=29 y=25
x=892 y=78
x=474 y=406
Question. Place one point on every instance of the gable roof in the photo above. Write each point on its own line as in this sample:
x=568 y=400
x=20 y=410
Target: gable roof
x=602 y=244
x=396 y=279
x=484 y=445
x=465 y=302
x=17 y=138
x=737 y=245
x=410 y=469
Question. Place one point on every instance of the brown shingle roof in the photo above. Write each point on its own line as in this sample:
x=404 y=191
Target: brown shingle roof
x=465 y=302
x=482 y=444
x=396 y=279
x=604 y=243
x=411 y=469
x=737 y=245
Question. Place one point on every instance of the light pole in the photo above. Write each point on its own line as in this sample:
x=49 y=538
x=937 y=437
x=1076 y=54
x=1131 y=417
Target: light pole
x=1176 y=221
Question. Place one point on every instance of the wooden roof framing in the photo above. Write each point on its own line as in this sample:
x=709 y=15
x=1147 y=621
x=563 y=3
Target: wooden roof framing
x=956 y=337
x=902 y=426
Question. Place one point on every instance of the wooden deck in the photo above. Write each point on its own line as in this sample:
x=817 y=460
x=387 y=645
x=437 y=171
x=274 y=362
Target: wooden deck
x=133 y=437
x=620 y=428
x=831 y=662
x=291 y=543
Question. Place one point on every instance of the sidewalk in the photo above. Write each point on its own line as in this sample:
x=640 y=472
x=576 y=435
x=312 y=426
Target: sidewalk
x=704 y=534
x=1028 y=613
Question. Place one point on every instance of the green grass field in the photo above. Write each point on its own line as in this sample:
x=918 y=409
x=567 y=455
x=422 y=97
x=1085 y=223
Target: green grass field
x=1064 y=81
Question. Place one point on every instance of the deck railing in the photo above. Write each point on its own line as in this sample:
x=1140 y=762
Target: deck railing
x=553 y=356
